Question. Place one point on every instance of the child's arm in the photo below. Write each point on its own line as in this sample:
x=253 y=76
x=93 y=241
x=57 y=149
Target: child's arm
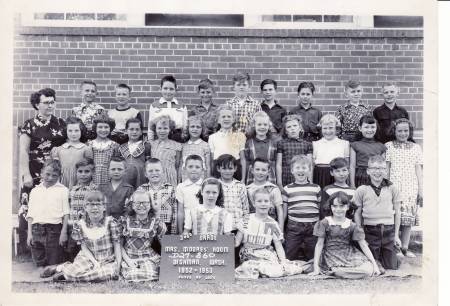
x=30 y=233
x=388 y=168
x=279 y=168
x=25 y=175
x=243 y=166
x=178 y=163
x=63 y=236
x=397 y=215
x=180 y=216
x=118 y=253
x=279 y=249
x=238 y=239
x=208 y=164
x=280 y=215
x=317 y=253
x=358 y=216
x=419 y=173
x=365 y=249
x=352 y=167
x=312 y=166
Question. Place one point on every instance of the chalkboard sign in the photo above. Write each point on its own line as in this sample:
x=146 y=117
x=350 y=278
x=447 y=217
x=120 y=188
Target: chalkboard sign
x=201 y=258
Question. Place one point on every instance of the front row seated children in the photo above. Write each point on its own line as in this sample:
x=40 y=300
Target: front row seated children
x=261 y=169
x=302 y=200
x=117 y=191
x=334 y=252
x=47 y=217
x=379 y=211
x=99 y=235
x=257 y=234
x=209 y=217
x=339 y=172
x=162 y=196
x=84 y=171
x=139 y=228
x=186 y=192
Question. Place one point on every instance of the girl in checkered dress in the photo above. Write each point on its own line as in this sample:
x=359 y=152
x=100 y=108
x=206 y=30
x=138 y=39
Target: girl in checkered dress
x=103 y=149
x=140 y=261
x=99 y=236
x=196 y=146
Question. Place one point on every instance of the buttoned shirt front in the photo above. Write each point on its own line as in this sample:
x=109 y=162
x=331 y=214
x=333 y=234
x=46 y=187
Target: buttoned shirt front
x=48 y=204
x=310 y=119
x=385 y=116
x=186 y=193
x=244 y=110
x=276 y=114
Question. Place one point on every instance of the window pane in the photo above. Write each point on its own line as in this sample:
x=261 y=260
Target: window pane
x=196 y=20
x=277 y=18
x=307 y=18
x=76 y=16
x=398 y=21
x=49 y=16
x=337 y=18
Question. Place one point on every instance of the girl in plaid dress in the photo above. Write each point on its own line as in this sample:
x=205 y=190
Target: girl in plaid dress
x=196 y=146
x=103 y=149
x=99 y=235
x=290 y=145
x=140 y=261
x=259 y=144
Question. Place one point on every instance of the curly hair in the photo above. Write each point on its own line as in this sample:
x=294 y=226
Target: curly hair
x=103 y=118
x=83 y=129
x=342 y=198
x=212 y=181
x=288 y=118
x=195 y=118
x=165 y=119
x=251 y=131
x=222 y=108
x=394 y=125
x=35 y=97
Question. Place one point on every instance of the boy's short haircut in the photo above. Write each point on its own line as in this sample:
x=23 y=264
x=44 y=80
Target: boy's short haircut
x=309 y=85
x=301 y=159
x=118 y=159
x=95 y=195
x=260 y=160
x=261 y=190
x=205 y=84
x=152 y=161
x=386 y=84
x=367 y=119
x=88 y=83
x=376 y=159
x=338 y=163
x=226 y=161
x=268 y=81
x=133 y=120
x=352 y=84
x=54 y=164
x=329 y=118
x=103 y=118
x=123 y=85
x=84 y=163
x=194 y=157
x=241 y=76
x=169 y=78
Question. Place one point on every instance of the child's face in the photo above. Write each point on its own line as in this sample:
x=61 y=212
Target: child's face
x=49 y=176
x=293 y=129
x=260 y=171
x=226 y=119
x=390 y=94
x=141 y=204
x=262 y=126
x=210 y=193
x=338 y=209
x=269 y=92
x=46 y=105
x=226 y=173
x=354 y=95
x=194 y=169
x=134 y=131
x=88 y=93
x=402 y=132
x=195 y=129
x=73 y=132
x=116 y=170
x=241 y=88
x=168 y=90
x=300 y=171
x=162 y=130
x=305 y=96
x=95 y=207
x=122 y=96
x=103 y=130
x=262 y=203
x=84 y=174
x=377 y=171
x=329 y=130
x=153 y=172
x=340 y=175
x=368 y=130
x=206 y=95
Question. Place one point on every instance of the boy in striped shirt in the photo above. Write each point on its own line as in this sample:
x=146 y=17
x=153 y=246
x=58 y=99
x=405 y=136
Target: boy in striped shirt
x=301 y=200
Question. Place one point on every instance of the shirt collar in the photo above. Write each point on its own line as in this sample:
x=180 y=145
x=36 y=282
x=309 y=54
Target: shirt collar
x=347 y=222
x=67 y=145
x=90 y=105
x=377 y=189
x=261 y=140
x=195 y=142
x=58 y=184
x=188 y=182
x=275 y=105
x=307 y=108
x=162 y=101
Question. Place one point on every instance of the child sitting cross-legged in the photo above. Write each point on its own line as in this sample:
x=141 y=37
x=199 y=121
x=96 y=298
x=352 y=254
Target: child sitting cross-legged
x=99 y=235
x=334 y=252
x=257 y=233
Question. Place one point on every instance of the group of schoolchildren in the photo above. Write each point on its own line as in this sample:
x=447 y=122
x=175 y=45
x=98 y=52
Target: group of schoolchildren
x=338 y=191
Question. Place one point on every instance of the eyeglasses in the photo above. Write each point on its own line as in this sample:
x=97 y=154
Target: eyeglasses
x=141 y=204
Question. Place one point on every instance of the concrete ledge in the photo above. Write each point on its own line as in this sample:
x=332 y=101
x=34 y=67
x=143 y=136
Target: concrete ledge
x=223 y=32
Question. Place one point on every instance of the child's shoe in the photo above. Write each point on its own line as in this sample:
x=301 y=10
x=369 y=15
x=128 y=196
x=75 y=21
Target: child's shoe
x=409 y=254
x=48 y=271
x=59 y=277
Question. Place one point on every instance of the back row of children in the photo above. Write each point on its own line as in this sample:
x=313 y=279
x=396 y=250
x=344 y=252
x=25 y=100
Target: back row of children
x=259 y=156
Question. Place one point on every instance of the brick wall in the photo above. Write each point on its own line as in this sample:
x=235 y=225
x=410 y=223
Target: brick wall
x=62 y=57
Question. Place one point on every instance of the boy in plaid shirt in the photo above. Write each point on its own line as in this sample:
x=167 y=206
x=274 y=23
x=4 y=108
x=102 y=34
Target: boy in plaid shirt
x=243 y=104
x=163 y=196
